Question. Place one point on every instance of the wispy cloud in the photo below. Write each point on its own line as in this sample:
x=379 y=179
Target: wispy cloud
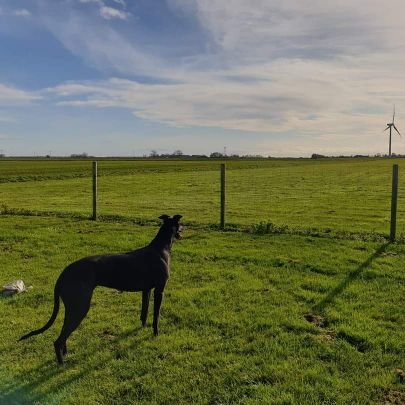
x=262 y=29
x=110 y=13
x=23 y=12
x=107 y=12
x=10 y=96
x=98 y=44
x=281 y=96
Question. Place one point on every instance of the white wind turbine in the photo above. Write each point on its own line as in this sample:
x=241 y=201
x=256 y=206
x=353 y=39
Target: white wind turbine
x=390 y=126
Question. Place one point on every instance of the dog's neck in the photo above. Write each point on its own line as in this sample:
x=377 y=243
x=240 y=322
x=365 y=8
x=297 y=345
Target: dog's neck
x=163 y=239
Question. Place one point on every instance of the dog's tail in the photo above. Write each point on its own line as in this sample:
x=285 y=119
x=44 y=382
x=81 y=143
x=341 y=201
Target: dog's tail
x=51 y=320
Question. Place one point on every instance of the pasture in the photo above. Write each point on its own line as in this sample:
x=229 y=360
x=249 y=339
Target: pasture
x=311 y=313
x=344 y=195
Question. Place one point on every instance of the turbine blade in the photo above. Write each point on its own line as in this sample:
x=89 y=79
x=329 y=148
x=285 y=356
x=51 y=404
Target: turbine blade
x=385 y=129
x=397 y=130
x=393 y=115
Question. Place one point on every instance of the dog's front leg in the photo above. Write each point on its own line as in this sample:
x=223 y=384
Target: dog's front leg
x=145 y=306
x=158 y=296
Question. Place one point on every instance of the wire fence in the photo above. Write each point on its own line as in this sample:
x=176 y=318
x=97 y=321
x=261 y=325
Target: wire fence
x=337 y=195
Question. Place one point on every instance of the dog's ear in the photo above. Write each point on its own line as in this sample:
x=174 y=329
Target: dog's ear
x=164 y=217
x=177 y=217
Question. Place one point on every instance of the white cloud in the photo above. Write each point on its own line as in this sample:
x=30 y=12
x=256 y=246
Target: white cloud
x=268 y=28
x=11 y=96
x=99 y=44
x=22 y=13
x=287 y=95
x=110 y=13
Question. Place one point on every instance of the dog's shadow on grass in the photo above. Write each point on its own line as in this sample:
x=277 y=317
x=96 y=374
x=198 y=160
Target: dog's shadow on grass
x=36 y=384
x=352 y=276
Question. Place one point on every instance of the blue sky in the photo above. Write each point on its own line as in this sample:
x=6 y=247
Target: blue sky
x=278 y=78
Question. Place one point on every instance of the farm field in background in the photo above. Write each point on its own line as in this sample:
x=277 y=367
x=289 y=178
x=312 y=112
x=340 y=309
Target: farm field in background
x=247 y=318
x=350 y=195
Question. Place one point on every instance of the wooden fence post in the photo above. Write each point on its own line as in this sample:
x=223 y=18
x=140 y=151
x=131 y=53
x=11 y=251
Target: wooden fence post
x=394 y=199
x=94 y=217
x=222 y=220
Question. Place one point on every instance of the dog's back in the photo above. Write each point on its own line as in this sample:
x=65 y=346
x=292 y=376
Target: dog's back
x=138 y=270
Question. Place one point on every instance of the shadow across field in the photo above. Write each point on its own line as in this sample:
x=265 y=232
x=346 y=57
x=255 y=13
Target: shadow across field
x=352 y=276
x=36 y=384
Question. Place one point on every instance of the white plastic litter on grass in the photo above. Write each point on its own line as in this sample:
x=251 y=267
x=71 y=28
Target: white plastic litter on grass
x=16 y=287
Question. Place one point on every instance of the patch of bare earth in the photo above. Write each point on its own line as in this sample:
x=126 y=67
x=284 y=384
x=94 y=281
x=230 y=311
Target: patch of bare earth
x=395 y=397
x=321 y=322
x=316 y=320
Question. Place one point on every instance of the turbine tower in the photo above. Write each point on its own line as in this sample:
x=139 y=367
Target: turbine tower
x=389 y=126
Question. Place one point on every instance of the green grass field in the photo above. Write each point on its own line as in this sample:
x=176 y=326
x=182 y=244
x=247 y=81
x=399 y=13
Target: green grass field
x=343 y=195
x=283 y=317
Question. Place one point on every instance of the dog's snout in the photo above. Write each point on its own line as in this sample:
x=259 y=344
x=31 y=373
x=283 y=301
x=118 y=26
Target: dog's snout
x=178 y=232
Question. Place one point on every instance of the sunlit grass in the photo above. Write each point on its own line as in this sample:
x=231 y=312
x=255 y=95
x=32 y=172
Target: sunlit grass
x=233 y=326
x=346 y=194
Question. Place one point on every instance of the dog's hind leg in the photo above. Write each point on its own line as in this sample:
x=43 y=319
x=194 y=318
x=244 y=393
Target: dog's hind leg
x=145 y=306
x=76 y=308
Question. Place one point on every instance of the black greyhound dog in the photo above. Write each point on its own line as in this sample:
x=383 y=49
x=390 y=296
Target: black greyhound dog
x=143 y=269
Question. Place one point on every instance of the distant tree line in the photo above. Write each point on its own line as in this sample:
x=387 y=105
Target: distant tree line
x=83 y=155
x=178 y=154
x=214 y=155
x=378 y=155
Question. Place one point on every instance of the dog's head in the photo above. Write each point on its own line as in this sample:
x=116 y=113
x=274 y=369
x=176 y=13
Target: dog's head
x=173 y=224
